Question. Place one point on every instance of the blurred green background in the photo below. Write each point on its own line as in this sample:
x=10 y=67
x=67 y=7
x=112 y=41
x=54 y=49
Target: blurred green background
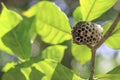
x=106 y=59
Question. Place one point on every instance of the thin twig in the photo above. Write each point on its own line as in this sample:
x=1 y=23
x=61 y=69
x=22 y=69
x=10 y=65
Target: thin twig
x=109 y=32
x=92 y=64
x=105 y=37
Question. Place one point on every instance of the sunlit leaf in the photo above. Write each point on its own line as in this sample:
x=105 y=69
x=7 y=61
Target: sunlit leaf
x=81 y=53
x=47 y=70
x=117 y=29
x=8 y=66
x=106 y=27
x=92 y=9
x=56 y=71
x=8 y=20
x=77 y=15
x=52 y=24
x=112 y=40
x=54 y=52
x=18 y=39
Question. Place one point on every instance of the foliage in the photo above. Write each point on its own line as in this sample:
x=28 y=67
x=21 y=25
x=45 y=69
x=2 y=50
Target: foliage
x=81 y=53
x=92 y=9
x=7 y=25
x=55 y=27
x=52 y=25
x=111 y=42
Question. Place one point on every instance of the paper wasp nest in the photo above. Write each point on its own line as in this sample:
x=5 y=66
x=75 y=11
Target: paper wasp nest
x=87 y=33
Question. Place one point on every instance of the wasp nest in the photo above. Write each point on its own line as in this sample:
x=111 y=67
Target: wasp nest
x=87 y=33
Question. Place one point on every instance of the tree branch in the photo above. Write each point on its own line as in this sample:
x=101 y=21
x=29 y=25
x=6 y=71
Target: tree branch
x=92 y=64
x=105 y=37
x=109 y=32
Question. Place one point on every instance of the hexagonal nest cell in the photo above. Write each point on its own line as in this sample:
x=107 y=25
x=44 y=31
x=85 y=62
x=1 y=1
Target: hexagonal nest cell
x=87 y=33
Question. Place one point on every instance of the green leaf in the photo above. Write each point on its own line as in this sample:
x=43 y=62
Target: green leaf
x=46 y=70
x=92 y=9
x=77 y=15
x=108 y=77
x=35 y=74
x=23 y=73
x=8 y=20
x=112 y=40
x=54 y=52
x=106 y=27
x=114 y=74
x=107 y=16
x=117 y=29
x=63 y=73
x=51 y=23
x=116 y=7
x=56 y=71
x=116 y=70
x=9 y=66
x=14 y=72
x=18 y=39
x=81 y=53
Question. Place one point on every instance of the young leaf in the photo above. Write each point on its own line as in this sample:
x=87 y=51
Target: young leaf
x=81 y=53
x=54 y=52
x=92 y=9
x=8 y=20
x=47 y=70
x=18 y=39
x=77 y=15
x=51 y=23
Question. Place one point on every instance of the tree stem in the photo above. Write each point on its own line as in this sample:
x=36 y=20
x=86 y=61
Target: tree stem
x=92 y=63
x=105 y=37
x=109 y=32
